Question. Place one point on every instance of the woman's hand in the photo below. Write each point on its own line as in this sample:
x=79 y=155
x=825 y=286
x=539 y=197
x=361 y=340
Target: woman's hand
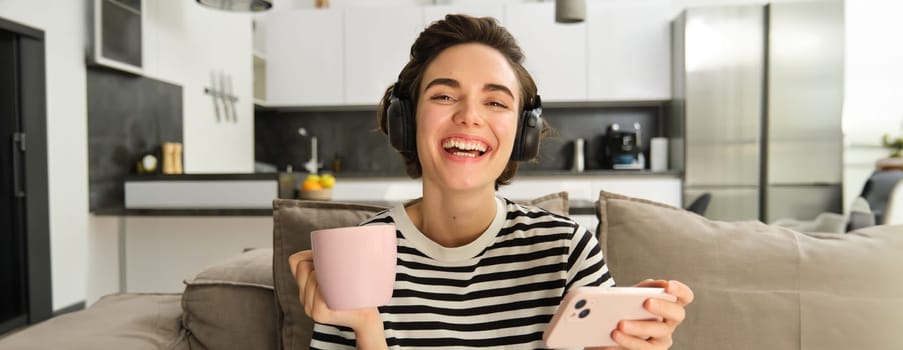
x=363 y=321
x=643 y=335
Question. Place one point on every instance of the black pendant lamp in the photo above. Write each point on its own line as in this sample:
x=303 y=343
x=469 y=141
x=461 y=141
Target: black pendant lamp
x=238 y=5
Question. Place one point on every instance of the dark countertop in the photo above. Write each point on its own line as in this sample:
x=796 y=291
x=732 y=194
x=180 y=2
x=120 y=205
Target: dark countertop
x=183 y=212
x=197 y=177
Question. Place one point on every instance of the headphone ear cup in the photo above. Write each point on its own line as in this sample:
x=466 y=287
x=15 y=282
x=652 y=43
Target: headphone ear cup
x=526 y=143
x=400 y=125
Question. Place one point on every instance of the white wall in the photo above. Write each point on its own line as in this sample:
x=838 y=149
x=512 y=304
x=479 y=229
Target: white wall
x=102 y=273
x=182 y=43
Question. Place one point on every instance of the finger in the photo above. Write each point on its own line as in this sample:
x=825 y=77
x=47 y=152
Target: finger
x=297 y=257
x=304 y=270
x=645 y=329
x=672 y=312
x=683 y=292
x=321 y=312
x=308 y=307
x=628 y=341
x=651 y=283
x=311 y=289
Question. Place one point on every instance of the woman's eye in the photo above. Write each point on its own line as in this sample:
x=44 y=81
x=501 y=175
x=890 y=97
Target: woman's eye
x=498 y=104
x=441 y=98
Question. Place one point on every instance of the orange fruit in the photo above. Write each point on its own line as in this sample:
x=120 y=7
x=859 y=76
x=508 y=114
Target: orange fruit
x=311 y=185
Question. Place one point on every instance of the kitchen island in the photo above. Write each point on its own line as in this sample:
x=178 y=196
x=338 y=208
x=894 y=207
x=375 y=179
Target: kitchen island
x=251 y=194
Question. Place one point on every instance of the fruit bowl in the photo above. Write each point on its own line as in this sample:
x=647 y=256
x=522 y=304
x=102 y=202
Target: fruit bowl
x=317 y=195
x=317 y=187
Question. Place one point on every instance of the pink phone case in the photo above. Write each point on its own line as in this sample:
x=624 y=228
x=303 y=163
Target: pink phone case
x=588 y=315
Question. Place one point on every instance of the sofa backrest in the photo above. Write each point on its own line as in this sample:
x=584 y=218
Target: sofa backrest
x=759 y=286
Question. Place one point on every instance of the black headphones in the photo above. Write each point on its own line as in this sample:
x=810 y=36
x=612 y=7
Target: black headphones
x=402 y=127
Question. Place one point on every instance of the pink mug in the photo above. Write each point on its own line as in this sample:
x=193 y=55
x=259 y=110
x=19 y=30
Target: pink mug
x=355 y=265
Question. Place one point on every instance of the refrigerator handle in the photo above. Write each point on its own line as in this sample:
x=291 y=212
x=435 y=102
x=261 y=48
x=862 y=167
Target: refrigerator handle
x=18 y=147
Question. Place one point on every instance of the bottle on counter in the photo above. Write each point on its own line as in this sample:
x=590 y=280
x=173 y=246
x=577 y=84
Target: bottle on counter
x=172 y=158
x=168 y=158
x=337 y=163
x=578 y=161
x=288 y=183
x=177 y=158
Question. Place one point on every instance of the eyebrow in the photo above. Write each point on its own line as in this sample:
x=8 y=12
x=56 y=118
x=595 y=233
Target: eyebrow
x=497 y=87
x=442 y=81
x=455 y=84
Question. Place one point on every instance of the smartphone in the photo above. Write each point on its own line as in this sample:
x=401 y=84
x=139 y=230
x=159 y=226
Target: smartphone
x=588 y=315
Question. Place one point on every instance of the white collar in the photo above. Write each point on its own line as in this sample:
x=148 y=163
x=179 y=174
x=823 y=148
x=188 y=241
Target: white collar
x=433 y=250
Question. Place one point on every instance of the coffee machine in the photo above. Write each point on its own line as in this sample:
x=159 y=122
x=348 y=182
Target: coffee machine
x=622 y=148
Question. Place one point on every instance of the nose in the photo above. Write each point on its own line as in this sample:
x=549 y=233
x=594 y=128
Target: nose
x=469 y=114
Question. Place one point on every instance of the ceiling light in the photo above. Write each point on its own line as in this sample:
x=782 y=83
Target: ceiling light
x=238 y=5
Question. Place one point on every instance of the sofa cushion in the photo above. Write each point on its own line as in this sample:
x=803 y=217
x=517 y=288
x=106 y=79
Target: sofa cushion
x=293 y=220
x=760 y=286
x=556 y=203
x=230 y=305
x=116 y=321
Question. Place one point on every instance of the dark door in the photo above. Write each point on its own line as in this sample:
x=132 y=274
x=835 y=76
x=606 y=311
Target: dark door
x=13 y=302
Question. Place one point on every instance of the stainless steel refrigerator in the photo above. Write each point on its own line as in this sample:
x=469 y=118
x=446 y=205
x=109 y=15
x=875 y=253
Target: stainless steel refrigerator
x=756 y=112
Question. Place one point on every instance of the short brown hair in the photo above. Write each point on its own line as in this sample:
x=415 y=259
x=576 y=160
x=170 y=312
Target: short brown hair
x=445 y=33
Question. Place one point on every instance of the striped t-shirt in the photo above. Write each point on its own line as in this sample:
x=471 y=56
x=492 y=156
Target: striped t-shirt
x=500 y=290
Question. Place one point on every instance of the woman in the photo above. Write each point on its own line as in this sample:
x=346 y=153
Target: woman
x=473 y=269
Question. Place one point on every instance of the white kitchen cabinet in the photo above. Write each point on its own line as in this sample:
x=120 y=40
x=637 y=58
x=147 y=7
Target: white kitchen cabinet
x=555 y=53
x=377 y=46
x=435 y=13
x=188 y=243
x=629 y=50
x=305 y=53
x=349 y=56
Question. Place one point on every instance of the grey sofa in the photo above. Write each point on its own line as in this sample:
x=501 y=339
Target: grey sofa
x=757 y=286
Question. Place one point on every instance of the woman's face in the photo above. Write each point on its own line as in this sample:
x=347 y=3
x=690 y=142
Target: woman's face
x=467 y=117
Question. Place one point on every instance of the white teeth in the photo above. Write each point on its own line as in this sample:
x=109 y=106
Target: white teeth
x=462 y=154
x=464 y=145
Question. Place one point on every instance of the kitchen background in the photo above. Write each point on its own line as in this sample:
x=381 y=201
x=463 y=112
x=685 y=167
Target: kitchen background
x=352 y=138
x=184 y=44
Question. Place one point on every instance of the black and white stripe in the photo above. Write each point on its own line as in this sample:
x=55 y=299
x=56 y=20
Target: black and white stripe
x=500 y=293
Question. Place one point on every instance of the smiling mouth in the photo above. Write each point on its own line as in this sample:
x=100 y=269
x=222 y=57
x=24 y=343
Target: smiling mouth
x=465 y=148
